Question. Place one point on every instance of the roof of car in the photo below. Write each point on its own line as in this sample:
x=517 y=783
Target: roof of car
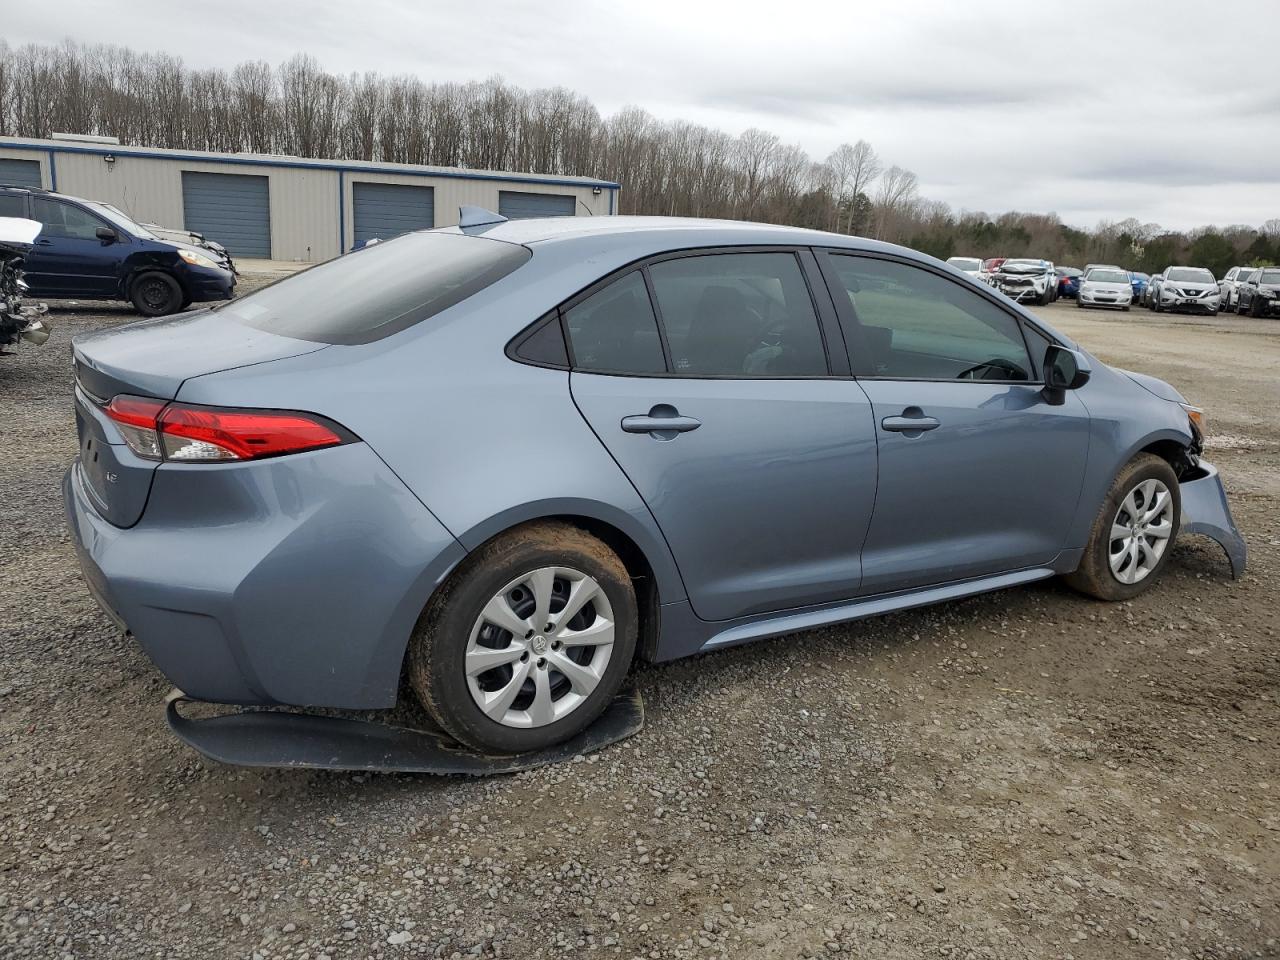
x=678 y=230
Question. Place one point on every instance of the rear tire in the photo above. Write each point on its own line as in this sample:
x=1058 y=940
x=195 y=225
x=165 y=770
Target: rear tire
x=1126 y=534
x=461 y=656
x=155 y=294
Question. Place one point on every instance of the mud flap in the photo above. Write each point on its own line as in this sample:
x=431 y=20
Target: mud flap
x=269 y=738
x=1205 y=511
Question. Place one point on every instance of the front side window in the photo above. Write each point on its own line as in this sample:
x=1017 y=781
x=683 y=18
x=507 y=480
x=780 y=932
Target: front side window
x=739 y=315
x=916 y=325
x=614 y=330
x=12 y=205
x=63 y=220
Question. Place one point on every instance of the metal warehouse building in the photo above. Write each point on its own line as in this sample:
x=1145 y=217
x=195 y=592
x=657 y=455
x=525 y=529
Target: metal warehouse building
x=287 y=208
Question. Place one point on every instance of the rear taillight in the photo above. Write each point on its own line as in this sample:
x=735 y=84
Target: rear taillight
x=157 y=430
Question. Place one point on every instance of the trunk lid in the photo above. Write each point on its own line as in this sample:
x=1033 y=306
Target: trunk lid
x=151 y=359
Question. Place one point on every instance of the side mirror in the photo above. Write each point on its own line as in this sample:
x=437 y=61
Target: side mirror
x=1063 y=370
x=106 y=235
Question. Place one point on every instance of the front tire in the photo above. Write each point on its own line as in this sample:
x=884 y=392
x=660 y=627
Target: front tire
x=155 y=294
x=1134 y=532
x=527 y=642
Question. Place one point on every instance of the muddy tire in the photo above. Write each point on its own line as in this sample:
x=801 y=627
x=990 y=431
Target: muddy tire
x=492 y=673
x=1133 y=533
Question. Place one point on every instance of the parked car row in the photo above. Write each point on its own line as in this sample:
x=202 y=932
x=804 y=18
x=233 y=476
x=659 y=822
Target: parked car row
x=1251 y=290
x=87 y=250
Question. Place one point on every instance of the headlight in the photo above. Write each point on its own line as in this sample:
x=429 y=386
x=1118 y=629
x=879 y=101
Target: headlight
x=196 y=259
x=1196 y=416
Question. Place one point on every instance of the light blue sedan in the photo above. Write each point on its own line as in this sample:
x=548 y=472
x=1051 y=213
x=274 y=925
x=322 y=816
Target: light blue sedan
x=506 y=459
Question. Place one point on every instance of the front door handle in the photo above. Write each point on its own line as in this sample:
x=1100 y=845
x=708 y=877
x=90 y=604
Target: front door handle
x=912 y=422
x=663 y=422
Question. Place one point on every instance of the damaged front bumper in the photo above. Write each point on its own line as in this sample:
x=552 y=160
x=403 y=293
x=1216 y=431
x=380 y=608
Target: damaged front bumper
x=1205 y=511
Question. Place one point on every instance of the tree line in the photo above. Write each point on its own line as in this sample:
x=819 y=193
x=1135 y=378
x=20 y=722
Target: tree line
x=665 y=167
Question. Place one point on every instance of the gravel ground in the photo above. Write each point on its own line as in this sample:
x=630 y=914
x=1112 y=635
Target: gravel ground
x=1024 y=774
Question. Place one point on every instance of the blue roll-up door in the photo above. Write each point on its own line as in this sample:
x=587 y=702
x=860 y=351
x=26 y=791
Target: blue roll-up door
x=386 y=210
x=515 y=205
x=20 y=173
x=231 y=208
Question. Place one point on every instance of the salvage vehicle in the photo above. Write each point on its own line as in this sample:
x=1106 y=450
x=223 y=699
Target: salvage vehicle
x=91 y=251
x=506 y=459
x=1068 y=281
x=1228 y=285
x=970 y=265
x=1191 y=289
x=989 y=267
x=1027 y=280
x=1258 y=294
x=19 y=320
x=1104 y=287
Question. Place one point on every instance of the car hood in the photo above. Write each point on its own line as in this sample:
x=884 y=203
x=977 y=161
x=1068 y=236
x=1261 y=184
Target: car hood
x=1107 y=286
x=1191 y=286
x=1153 y=385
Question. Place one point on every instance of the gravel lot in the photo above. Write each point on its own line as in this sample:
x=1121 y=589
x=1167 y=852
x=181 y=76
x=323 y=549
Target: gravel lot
x=1025 y=774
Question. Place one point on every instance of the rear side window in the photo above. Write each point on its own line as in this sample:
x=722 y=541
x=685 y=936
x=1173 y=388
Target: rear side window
x=614 y=330
x=378 y=290
x=916 y=325
x=739 y=315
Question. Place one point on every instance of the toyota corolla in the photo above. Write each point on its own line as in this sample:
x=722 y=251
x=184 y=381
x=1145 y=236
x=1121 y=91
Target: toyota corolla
x=503 y=460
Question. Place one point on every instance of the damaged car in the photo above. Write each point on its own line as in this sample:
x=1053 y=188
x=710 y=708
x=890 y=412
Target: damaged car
x=506 y=459
x=1027 y=281
x=19 y=319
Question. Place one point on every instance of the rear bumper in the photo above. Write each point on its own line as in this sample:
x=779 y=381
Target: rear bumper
x=291 y=581
x=1205 y=511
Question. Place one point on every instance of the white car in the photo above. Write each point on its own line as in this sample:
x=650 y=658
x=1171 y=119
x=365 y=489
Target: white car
x=1105 y=287
x=1027 y=280
x=970 y=265
x=1228 y=286
x=1188 y=288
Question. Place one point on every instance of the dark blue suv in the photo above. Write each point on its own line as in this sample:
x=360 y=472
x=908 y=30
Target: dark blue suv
x=88 y=250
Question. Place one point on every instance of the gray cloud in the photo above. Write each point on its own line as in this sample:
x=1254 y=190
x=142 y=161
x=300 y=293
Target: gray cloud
x=1089 y=109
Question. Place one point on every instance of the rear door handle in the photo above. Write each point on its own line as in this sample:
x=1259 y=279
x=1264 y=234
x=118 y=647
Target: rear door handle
x=913 y=421
x=663 y=422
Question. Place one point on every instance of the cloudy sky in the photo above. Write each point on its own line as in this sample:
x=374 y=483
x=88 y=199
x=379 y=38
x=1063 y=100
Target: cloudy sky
x=1168 y=111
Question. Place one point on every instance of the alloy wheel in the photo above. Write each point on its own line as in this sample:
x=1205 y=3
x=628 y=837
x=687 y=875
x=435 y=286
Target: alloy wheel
x=539 y=647
x=1141 y=531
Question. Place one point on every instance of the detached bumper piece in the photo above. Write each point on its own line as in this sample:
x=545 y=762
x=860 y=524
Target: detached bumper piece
x=267 y=738
x=1205 y=511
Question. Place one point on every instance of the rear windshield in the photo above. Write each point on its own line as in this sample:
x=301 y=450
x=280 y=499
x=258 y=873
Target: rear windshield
x=378 y=290
x=1189 y=275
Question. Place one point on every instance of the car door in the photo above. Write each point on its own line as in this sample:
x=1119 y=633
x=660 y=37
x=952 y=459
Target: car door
x=718 y=384
x=69 y=259
x=1246 y=289
x=978 y=472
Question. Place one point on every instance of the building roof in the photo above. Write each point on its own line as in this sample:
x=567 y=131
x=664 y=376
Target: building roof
x=275 y=160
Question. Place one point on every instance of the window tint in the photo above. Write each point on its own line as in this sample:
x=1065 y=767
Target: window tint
x=739 y=315
x=377 y=290
x=917 y=325
x=614 y=330
x=64 y=220
x=12 y=205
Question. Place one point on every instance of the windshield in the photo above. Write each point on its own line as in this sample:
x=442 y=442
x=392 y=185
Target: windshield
x=965 y=263
x=1270 y=276
x=108 y=212
x=1189 y=275
x=1107 y=276
x=378 y=290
